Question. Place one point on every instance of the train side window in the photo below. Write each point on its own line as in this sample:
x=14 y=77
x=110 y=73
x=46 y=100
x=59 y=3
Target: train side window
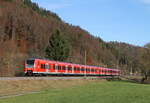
x=63 y=68
x=92 y=70
x=86 y=69
x=54 y=66
x=78 y=69
x=75 y=69
x=59 y=67
x=82 y=68
x=69 y=68
x=99 y=70
x=96 y=70
x=42 y=66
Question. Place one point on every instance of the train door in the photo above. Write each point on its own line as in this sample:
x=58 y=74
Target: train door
x=56 y=68
x=90 y=70
x=72 y=69
x=66 y=69
x=47 y=68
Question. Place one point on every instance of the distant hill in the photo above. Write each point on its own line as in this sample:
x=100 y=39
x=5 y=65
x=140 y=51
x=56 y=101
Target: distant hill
x=25 y=30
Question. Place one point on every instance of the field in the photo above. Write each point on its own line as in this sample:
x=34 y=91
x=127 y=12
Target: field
x=96 y=91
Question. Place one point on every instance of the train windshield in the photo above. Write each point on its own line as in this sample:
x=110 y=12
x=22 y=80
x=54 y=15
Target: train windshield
x=30 y=63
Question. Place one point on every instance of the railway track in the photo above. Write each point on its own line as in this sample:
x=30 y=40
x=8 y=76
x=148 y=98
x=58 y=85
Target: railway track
x=44 y=78
x=51 y=78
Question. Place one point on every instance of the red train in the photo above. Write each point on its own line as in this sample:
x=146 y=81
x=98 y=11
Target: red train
x=48 y=67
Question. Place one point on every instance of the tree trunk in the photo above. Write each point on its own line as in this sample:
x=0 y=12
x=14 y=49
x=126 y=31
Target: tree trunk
x=144 y=78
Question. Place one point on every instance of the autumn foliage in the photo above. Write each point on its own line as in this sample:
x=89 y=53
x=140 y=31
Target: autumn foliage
x=26 y=29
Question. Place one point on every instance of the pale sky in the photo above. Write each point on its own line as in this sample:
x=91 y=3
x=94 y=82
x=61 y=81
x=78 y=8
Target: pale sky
x=112 y=20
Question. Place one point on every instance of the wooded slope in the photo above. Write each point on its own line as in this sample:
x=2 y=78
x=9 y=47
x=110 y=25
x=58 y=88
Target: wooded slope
x=25 y=30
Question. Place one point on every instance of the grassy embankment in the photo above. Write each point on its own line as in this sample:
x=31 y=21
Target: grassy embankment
x=87 y=92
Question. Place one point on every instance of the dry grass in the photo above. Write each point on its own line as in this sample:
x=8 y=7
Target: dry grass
x=13 y=87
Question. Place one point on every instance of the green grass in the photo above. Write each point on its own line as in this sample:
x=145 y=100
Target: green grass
x=100 y=92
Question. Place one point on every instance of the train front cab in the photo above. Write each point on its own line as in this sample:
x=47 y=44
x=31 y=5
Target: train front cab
x=37 y=67
x=29 y=67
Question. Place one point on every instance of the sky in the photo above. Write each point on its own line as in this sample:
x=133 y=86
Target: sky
x=112 y=20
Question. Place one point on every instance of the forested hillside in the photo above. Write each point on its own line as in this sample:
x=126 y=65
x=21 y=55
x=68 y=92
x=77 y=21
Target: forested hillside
x=26 y=31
